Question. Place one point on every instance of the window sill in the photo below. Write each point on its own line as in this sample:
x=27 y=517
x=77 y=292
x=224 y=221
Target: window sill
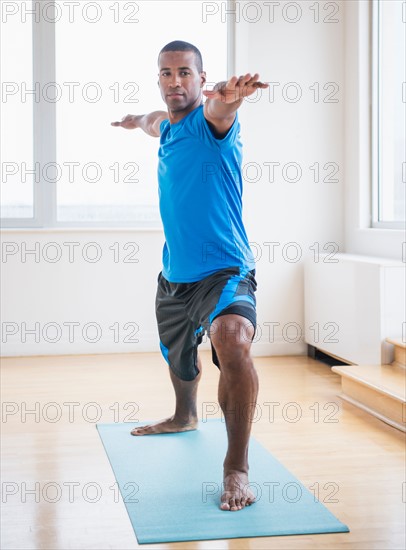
x=84 y=229
x=381 y=230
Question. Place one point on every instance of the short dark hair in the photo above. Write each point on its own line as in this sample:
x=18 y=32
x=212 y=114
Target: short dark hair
x=181 y=46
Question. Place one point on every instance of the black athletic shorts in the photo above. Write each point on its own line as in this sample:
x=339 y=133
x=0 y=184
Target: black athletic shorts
x=184 y=312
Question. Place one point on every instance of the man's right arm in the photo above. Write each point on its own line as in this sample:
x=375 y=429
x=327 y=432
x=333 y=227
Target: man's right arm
x=150 y=123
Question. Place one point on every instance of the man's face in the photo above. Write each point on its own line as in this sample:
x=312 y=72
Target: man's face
x=179 y=80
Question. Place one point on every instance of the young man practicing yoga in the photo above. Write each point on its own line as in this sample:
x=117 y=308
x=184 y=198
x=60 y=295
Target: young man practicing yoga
x=208 y=276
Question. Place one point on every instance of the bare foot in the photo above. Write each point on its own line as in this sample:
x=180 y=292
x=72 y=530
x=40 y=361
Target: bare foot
x=236 y=493
x=169 y=425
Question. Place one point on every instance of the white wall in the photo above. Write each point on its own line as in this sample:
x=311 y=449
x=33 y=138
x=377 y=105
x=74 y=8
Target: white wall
x=117 y=289
x=302 y=213
x=304 y=132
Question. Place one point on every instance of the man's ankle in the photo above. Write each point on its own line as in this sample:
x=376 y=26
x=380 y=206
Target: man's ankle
x=185 y=419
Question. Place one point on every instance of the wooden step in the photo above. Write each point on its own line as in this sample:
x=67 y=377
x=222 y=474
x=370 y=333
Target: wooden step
x=377 y=389
x=400 y=351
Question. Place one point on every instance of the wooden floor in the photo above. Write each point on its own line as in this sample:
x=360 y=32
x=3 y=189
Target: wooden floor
x=355 y=464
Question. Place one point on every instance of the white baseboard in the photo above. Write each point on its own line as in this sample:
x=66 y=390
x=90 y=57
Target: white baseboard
x=147 y=342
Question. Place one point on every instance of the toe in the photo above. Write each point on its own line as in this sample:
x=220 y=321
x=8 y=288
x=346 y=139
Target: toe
x=225 y=506
x=233 y=506
x=139 y=430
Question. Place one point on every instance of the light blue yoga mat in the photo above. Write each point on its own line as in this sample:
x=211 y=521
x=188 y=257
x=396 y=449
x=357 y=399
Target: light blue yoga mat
x=171 y=485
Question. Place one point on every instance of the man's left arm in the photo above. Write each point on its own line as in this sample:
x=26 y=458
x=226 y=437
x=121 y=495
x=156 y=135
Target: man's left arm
x=225 y=98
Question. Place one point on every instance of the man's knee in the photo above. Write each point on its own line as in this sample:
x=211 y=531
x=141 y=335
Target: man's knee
x=231 y=335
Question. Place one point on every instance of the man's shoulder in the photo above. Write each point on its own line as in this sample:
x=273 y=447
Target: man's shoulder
x=165 y=123
x=198 y=123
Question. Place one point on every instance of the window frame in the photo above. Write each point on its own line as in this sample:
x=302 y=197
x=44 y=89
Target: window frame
x=376 y=117
x=44 y=129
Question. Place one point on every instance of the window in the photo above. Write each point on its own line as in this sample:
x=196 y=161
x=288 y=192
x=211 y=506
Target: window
x=389 y=113
x=93 y=64
x=16 y=132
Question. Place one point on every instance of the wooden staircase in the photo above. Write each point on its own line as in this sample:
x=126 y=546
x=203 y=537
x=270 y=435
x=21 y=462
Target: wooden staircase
x=400 y=352
x=378 y=389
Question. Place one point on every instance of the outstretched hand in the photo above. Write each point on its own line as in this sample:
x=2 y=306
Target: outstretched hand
x=235 y=89
x=128 y=122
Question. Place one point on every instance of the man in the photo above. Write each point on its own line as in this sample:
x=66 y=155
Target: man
x=208 y=277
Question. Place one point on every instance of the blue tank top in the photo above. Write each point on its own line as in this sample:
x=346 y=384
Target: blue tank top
x=200 y=200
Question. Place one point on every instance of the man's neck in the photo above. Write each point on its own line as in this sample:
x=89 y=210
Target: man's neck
x=176 y=116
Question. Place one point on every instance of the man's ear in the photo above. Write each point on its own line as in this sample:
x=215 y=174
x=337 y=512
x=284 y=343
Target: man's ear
x=203 y=78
